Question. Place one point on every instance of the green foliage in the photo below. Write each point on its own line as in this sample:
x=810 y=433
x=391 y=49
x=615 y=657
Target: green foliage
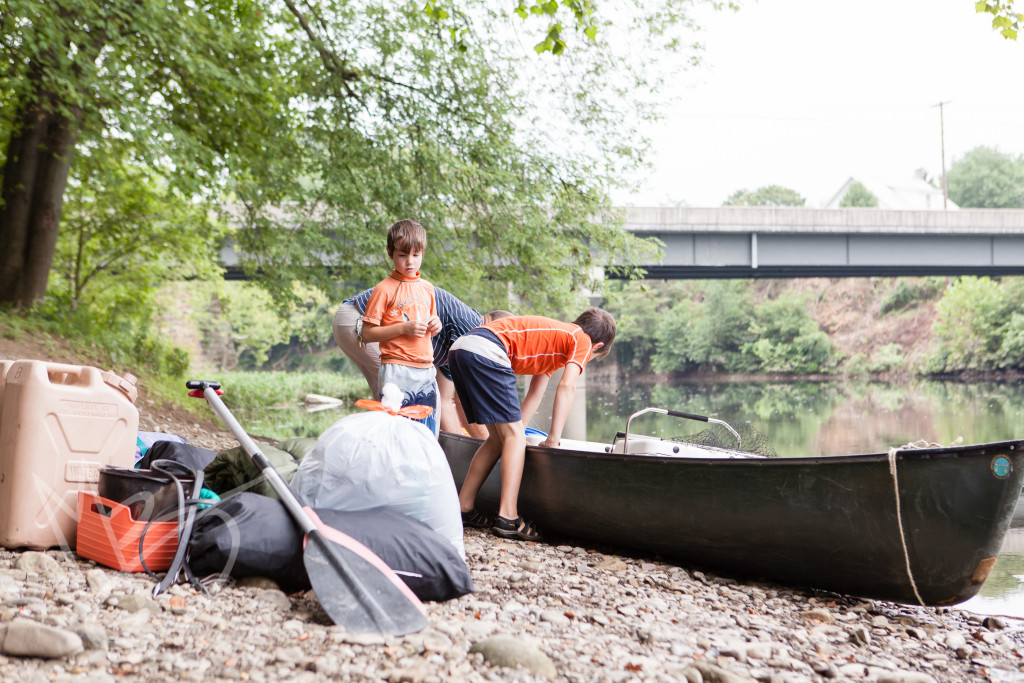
x=769 y=195
x=271 y=404
x=248 y=389
x=1011 y=349
x=887 y=359
x=856 y=366
x=987 y=179
x=716 y=325
x=858 y=195
x=787 y=339
x=323 y=122
x=909 y=291
x=506 y=161
x=967 y=317
x=125 y=232
x=160 y=366
x=979 y=326
x=709 y=331
x=638 y=308
x=1004 y=19
x=238 y=325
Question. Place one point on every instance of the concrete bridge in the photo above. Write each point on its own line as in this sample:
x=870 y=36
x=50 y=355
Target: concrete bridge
x=782 y=242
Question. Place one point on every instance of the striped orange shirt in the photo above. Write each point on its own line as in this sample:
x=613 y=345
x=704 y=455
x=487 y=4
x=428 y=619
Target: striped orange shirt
x=397 y=299
x=539 y=346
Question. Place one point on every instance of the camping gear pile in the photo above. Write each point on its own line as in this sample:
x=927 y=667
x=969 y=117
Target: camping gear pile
x=87 y=479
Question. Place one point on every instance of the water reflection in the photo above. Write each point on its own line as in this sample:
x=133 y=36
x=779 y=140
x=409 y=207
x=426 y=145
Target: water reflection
x=1003 y=592
x=818 y=418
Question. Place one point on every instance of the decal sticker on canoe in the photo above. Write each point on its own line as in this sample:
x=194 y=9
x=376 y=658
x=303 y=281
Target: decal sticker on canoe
x=1001 y=466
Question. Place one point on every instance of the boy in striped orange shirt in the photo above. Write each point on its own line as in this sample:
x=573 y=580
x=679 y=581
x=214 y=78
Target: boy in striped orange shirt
x=484 y=363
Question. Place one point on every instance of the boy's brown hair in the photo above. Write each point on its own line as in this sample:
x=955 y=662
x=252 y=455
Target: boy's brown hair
x=499 y=313
x=406 y=235
x=599 y=325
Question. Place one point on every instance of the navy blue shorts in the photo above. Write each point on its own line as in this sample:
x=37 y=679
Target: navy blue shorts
x=487 y=389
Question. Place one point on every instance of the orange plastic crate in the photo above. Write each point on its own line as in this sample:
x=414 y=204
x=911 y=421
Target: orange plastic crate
x=108 y=534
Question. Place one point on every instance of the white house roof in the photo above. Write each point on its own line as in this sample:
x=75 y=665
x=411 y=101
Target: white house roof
x=912 y=193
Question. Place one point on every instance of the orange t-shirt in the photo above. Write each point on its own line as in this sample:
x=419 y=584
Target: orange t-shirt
x=397 y=299
x=539 y=346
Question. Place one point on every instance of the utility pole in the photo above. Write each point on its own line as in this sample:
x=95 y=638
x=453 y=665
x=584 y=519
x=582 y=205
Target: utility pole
x=942 y=136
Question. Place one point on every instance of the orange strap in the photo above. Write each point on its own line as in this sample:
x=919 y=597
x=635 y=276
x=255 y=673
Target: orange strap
x=411 y=412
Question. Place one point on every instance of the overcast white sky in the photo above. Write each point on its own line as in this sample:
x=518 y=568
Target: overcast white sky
x=806 y=93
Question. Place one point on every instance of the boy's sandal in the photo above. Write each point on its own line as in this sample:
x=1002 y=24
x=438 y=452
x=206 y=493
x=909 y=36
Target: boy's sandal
x=517 y=528
x=474 y=519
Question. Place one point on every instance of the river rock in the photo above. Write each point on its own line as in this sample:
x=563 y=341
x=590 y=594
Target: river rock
x=94 y=636
x=32 y=562
x=512 y=652
x=257 y=582
x=27 y=638
x=134 y=602
x=99 y=583
x=275 y=598
x=711 y=673
x=905 y=677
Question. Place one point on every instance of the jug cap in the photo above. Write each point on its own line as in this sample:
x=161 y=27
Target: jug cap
x=125 y=385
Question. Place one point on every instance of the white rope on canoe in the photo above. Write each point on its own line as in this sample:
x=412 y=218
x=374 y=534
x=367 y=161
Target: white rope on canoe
x=899 y=523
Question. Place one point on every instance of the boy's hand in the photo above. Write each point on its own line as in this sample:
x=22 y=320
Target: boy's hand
x=416 y=328
x=434 y=325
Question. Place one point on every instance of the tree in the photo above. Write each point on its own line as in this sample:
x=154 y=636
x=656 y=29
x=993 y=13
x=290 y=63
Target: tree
x=858 y=195
x=124 y=233
x=769 y=195
x=1004 y=19
x=191 y=86
x=987 y=179
x=325 y=122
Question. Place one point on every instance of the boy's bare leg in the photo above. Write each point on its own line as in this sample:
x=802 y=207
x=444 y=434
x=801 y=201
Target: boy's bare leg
x=472 y=428
x=479 y=467
x=449 y=419
x=513 y=456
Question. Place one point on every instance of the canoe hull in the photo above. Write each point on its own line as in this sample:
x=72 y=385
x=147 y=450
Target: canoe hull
x=827 y=522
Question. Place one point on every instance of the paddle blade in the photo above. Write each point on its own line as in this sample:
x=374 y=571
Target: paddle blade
x=356 y=594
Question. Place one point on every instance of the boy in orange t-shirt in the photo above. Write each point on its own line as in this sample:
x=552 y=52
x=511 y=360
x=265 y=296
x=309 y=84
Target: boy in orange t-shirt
x=484 y=363
x=401 y=316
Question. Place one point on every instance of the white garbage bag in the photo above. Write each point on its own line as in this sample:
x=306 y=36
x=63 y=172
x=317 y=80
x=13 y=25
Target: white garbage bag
x=374 y=459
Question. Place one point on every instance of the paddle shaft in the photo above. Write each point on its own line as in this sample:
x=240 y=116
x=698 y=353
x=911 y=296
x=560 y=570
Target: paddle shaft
x=355 y=587
x=276 y=481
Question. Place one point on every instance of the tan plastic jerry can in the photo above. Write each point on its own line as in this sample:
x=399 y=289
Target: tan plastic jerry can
x=59 y=425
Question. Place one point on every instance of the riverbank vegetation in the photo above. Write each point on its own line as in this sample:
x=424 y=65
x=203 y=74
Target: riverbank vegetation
x=872 y=326
x=854 y=327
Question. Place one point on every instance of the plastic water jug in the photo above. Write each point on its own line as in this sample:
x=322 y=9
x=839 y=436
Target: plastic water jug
x=5 y=365
x=59 y=426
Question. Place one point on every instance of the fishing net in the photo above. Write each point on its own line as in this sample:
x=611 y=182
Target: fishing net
x=717 y=436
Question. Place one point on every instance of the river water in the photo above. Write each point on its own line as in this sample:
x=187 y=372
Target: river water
x=837 y=418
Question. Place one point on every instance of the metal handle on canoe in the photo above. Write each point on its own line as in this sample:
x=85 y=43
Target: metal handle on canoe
x=676 y=413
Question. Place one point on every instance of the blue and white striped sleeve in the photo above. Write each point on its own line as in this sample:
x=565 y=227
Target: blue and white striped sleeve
x=359 y=300
x=456 y=319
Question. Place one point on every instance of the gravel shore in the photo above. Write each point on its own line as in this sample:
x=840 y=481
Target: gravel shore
x=538 y=612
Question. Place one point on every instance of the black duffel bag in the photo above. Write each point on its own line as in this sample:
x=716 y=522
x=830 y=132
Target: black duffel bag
x=253 y=535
